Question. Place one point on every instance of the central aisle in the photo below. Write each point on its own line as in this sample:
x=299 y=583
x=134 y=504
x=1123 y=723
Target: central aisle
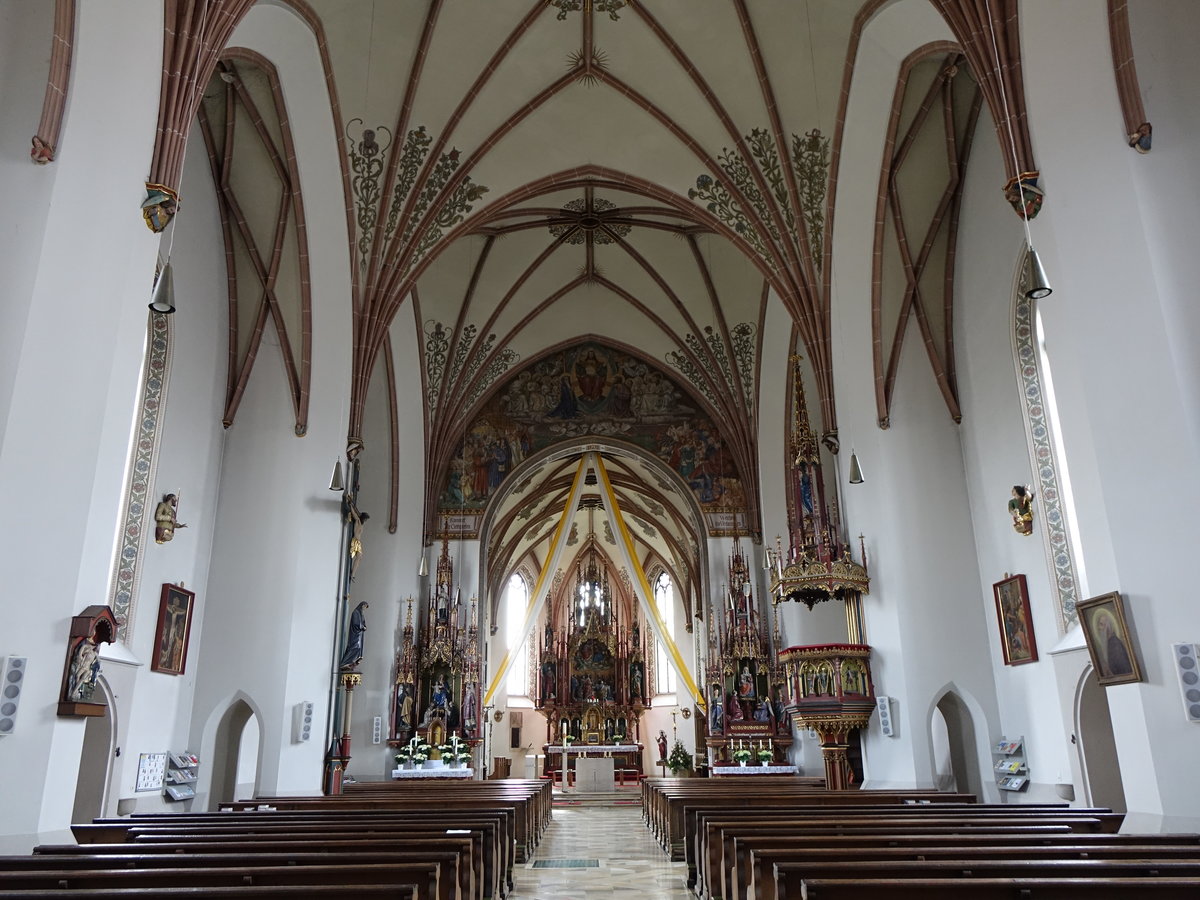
x=601 y=851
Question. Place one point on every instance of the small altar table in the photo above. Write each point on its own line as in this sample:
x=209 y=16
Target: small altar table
x=754 y=770
x=626 y=759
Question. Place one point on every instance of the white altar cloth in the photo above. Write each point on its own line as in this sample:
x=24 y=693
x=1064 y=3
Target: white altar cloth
x=754 y=770
x=594 y=748
x=446 y=772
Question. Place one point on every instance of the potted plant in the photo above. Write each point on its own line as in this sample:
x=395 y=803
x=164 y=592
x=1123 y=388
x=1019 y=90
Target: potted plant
x=679 y=760
x=447 y=754
x=463 y=756
x=765 y=756
x=742 y=755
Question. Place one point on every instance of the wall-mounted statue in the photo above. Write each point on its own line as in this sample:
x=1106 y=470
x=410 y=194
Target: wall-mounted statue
x=166 y=518
x=1020 y=507
x=96 y=625
x=356 y=634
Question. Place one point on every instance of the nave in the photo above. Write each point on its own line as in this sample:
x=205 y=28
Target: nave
x=599 y=851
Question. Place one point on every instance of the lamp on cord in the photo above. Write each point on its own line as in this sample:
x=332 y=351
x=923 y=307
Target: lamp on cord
x=336 y=482
x=162 y=301
x=423 y=570
x=856 y=476
x=1037 y=285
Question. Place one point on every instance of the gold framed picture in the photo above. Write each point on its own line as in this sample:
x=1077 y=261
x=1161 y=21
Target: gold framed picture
x=1108 y=640
x=1016 y=621
x=174 y=627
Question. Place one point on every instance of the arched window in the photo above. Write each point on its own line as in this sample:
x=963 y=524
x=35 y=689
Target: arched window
x=664 y=599
x=516 y=600
x=1051 y=481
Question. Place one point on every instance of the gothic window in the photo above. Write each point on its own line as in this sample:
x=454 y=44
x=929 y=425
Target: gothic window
x=1051 y=480
x=516 y=600
x=664 y=599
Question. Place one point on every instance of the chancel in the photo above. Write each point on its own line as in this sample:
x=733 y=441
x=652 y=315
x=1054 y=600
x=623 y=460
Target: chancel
x=713 y=467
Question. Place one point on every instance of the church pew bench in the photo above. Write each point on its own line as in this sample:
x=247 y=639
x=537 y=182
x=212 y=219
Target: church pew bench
x=469 y=843
x=536 y=794
x=240 y=892
x=1155 y=888
x=715 y=834
x=492 y=859
x=278 y=851
x=756 y=875
x=524 y=828
x=426 y=877
x=698 y=848
x=718 y=872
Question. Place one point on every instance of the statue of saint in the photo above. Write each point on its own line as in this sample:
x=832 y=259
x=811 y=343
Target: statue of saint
x=165 y=521
x=356 y=520
x=1020 y=507
x=716 y=720
x=85 y=669
x=661 y=740
x=355 y=635
x=470 y=706
x=404 y=707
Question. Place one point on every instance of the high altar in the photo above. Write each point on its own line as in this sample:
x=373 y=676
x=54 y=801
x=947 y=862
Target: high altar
x=591 y=683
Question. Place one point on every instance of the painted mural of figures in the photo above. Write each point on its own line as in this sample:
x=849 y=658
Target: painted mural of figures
x=591 y=372
x=852 y=679
x=824 y=679
x=567 y=408
x=355 y=635
x=165 y=521
x=620 y=399
x=85 y=669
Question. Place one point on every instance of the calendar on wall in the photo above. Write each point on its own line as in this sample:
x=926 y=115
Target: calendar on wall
x=151 y=769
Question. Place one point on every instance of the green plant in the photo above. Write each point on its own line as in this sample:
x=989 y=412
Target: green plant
x=765 y=755
x=742 y=755
x=679 y=760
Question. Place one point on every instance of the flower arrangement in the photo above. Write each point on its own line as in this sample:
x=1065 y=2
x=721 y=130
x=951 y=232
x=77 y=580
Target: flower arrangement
x=415 y=751
x=765 y=756
x=568 y=740
x=679 y=760
x=742 y=755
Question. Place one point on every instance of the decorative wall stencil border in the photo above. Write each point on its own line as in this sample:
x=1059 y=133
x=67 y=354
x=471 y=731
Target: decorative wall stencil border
x=1137 y=129
x=1059 y=558
x=143 y=464
x=45 y=140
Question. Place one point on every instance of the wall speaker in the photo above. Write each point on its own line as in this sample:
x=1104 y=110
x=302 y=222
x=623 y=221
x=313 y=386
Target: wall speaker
x=884 y=705
x=302 y=721
x=514 y=737
x=1187 y=667
x=11 y=685
x=377 y=730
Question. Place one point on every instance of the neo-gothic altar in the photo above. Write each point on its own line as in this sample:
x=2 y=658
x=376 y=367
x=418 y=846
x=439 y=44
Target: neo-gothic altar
x=591 y=684
x=436 y=692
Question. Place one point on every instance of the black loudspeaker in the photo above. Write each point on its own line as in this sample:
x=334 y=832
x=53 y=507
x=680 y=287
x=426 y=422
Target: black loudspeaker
x=1187 y=667
x=514 y=739
x=11 y=684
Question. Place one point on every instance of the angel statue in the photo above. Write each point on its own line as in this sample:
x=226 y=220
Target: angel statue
x=1020 y=507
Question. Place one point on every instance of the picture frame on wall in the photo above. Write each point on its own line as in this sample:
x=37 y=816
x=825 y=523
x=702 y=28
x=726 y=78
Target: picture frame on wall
x=1109 y=642
x=1016 y=621
x=175 y=607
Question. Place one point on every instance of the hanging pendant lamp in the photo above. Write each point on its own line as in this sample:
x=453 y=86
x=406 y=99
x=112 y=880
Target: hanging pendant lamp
x=1037 y=285
x=162 y=301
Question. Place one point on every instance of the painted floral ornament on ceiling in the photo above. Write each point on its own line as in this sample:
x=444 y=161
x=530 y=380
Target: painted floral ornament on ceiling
x=611 y=7
x=589 y=218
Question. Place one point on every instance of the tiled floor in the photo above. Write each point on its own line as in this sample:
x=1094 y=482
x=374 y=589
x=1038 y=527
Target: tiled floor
x=630 y=861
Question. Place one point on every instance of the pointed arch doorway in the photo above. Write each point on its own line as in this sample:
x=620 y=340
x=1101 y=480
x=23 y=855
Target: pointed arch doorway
x=96 y=760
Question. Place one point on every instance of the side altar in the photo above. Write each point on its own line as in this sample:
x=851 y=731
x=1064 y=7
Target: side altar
x=436 y=693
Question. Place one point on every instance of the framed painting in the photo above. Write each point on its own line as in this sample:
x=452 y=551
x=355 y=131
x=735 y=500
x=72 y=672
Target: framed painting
x=1016 y=621
x=1108 y=640
x=174 y=627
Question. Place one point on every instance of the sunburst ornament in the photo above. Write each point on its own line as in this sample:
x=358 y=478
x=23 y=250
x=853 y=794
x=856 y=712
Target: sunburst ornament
x=584 y=219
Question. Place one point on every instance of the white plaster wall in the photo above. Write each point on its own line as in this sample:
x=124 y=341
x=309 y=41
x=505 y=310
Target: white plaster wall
x=388 y=573
x=26 y=33
x=1121 y=273
x=155 y=707
x=270 y=618
x=995 y=450
x=78 y=319
x=913 y=507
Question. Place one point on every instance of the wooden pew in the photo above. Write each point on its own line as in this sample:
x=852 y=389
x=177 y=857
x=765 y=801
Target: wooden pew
x=715 y=833
x=240 y=892
x=1164 y=888
x=758 y=873
x=488 y=859
x=425 y=877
